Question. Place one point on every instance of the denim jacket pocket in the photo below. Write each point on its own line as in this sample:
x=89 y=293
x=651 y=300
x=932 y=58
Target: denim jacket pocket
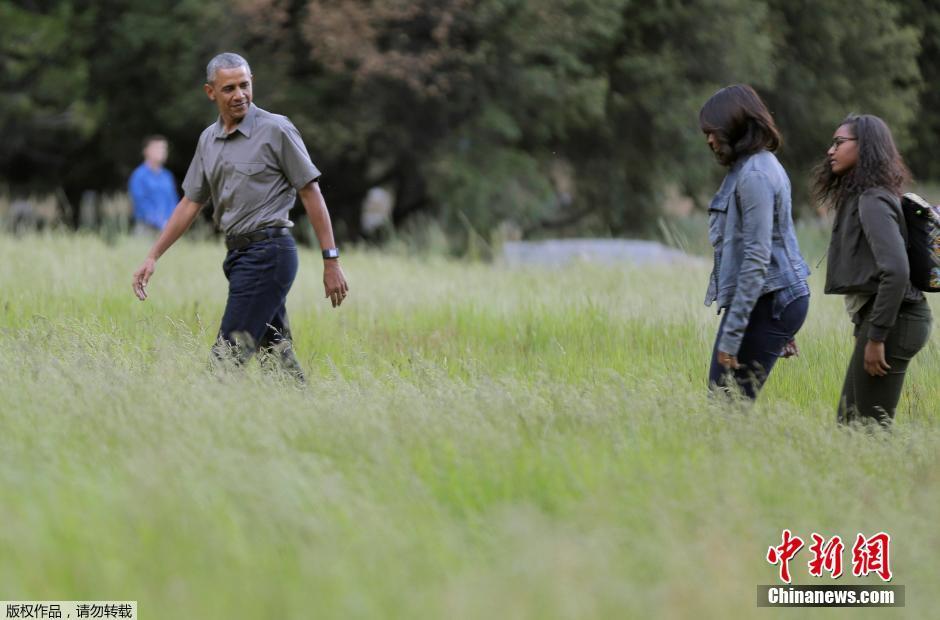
x=717 y=216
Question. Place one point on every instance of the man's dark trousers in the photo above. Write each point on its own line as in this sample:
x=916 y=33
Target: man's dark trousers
x=260 y=276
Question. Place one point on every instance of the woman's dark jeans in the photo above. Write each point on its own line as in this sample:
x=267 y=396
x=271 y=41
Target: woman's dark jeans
x=764 y=341
x=866 y=399
x=260 y=276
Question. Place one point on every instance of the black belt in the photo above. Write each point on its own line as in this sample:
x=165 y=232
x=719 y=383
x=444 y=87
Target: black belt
x=237 y=242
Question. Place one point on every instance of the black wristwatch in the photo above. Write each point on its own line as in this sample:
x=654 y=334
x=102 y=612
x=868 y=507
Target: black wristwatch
x=331 y=253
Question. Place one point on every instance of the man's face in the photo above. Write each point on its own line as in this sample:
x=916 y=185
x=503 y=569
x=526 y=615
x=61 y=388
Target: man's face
x=231 y=91
x=155 y=152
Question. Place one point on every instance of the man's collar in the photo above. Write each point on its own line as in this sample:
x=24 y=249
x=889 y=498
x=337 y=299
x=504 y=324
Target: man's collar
x=245 y=127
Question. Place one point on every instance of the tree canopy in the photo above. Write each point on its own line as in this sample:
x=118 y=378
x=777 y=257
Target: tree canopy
x=552 y=114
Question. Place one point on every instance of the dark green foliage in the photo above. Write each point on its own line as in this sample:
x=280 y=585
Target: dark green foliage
x=561 y=116
x=45 y=110
x=924 y=145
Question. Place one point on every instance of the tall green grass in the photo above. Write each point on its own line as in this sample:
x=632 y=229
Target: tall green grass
x=475 y=442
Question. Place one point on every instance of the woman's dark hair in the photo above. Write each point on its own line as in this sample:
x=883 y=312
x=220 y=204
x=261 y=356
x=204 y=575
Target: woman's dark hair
x=740 y=121
x=879 y=164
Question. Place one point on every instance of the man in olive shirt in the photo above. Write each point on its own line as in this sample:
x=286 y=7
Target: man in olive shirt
x=252 y=165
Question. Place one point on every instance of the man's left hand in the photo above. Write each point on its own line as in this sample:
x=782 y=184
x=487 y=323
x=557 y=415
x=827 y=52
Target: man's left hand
x=728 y=361
x=334 y=282
x=790 y=349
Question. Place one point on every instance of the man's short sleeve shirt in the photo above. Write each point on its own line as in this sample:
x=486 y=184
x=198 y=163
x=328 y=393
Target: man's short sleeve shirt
x=252 y=174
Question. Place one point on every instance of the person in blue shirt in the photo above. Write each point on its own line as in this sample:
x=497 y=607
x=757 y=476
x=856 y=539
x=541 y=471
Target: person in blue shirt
x=153 y=188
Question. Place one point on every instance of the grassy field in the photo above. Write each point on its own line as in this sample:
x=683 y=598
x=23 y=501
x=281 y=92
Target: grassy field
x=475 y=442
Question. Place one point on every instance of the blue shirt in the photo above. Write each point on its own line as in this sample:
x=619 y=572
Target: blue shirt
x=153 y=194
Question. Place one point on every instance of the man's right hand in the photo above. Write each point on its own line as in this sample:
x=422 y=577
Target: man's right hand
x=182 y=218
x=142 y=277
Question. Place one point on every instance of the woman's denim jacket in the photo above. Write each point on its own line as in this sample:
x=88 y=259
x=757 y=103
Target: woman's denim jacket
x=750 y=225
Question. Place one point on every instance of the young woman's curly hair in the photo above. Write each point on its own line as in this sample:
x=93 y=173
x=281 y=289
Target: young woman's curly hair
x=740 y=121
x=879 y=164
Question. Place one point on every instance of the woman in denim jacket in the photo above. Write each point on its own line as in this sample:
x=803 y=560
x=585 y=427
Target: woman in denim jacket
x=759 y=276
x=861 y=179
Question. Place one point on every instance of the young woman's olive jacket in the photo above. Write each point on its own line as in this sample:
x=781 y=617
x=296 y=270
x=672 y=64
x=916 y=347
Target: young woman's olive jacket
x=868 y=256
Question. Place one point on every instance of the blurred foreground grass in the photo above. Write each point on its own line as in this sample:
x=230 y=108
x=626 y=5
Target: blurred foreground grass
x=475 y=442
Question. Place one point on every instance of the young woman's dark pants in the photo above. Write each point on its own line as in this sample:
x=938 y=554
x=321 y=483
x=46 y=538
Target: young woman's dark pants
x=764 y=341
x=868 y=399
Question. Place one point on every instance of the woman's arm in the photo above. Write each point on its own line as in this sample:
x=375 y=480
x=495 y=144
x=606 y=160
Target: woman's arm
x=756 y=201
x=882 y=228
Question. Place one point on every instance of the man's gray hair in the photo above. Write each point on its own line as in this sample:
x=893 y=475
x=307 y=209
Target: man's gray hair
x=226 y=60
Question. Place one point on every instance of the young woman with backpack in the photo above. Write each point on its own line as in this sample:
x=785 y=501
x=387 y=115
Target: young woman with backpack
x=759 y=275
x=861 y=180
